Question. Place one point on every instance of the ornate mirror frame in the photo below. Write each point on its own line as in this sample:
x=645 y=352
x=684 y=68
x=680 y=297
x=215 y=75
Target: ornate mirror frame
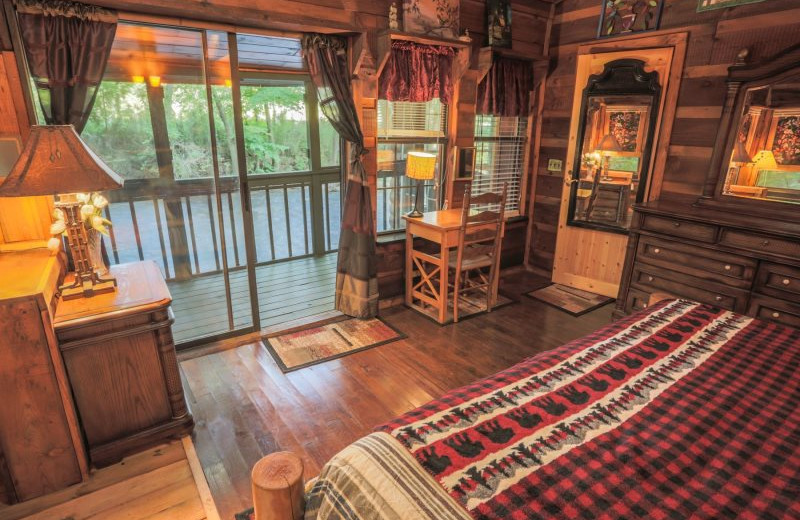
x=623 y=77
x=743 y=77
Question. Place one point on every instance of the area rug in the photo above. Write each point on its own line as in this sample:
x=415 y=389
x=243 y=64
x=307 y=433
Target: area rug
x=568 y=299
x=248 y=514
x=317 y=344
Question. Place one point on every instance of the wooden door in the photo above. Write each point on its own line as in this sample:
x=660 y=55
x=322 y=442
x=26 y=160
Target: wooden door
x=591 y=259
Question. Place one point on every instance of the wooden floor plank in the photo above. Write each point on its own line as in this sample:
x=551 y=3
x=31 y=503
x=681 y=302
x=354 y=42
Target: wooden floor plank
x=318 y=410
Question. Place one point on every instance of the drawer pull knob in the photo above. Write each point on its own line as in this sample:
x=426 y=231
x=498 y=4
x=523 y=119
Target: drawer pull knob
x=656 y=250
x=786 y=281
x=649 y=278
x=776 y=314
x=718 y=298
x=727 y=267
x=765 y=243
x=676 y=224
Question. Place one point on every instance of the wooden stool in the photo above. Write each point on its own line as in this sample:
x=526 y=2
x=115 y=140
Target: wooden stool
x=278 y=487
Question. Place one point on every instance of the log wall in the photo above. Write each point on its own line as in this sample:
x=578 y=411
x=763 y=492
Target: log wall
x=715 y=37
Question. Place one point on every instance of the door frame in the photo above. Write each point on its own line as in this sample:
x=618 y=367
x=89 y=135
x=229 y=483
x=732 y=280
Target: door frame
x=602 y=274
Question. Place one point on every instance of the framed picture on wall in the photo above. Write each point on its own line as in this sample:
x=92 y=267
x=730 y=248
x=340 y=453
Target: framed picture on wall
x=708 y=5
x=432 y=17
x=465 y=163
x=498 y=23
x=629 y=16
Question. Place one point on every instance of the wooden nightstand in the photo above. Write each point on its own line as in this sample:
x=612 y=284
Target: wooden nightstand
x=121 y=364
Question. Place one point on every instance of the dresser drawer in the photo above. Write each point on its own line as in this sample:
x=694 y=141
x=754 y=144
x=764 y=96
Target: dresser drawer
x=651 y=279
x=760 y=243
x=772 y=309
x=637 y=301
x=778 y=280
x=680 y=228
x=704 y=263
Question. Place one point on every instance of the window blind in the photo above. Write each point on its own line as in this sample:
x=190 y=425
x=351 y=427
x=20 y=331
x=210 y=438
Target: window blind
x=403 y=119
x=500 y=154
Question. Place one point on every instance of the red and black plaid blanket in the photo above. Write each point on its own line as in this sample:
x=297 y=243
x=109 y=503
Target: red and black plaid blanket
x=683 y=411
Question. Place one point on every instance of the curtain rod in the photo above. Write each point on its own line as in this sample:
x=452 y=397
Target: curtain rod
x=199 y=24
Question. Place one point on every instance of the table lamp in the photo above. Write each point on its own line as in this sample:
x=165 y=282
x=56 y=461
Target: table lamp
x=55 y=161
x=420 y=166
x=608 y=146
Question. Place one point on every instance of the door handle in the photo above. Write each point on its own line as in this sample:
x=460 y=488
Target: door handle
x=568 y=180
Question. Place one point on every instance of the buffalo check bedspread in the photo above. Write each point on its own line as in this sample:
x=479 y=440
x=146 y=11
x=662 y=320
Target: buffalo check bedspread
x=683 y=411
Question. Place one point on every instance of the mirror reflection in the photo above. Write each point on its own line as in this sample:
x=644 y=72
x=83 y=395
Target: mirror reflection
x=765 y=158
x=616 y=135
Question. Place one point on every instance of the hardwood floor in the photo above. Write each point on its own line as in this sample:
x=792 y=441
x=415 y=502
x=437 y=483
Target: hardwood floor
x=245 y=407
x=162 y=483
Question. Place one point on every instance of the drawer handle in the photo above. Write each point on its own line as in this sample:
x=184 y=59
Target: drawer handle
x=727 y=267
x=676 y=224
x=765 y=243
x=786 y=281
x=649 y=278
x=776 y=314
x=718 y=298
x=656 y=250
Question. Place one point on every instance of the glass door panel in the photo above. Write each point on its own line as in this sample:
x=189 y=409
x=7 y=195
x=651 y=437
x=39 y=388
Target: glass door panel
x=180 y=207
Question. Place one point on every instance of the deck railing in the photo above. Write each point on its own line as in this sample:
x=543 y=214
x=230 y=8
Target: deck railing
x=176 y=223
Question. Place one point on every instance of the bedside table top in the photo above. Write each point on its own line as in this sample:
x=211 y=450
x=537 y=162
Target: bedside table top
x=140 y=288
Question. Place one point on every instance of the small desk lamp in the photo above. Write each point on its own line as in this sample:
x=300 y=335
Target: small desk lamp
x=55 y=161
x=420 y=166
x=608 y=146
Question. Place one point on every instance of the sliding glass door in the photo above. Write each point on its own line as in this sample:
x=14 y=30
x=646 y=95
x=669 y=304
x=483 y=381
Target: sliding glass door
x=229 y=170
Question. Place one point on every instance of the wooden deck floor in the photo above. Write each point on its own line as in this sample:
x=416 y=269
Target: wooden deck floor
x=245 y=407
x=286 y=291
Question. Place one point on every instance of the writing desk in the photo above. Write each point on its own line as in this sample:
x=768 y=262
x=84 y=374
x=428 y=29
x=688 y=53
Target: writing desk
x=440 y=227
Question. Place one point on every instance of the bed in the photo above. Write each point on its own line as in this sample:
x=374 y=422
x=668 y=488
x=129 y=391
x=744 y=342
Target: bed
x=685 y=410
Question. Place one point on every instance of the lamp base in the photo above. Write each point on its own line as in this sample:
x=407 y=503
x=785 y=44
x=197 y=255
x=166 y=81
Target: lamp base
x=414 y=214
x=74 y=291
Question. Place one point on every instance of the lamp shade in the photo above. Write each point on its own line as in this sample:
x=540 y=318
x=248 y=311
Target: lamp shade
x=765 y=160
x=420 y=165
x=609 y=143
x=56 y=161
x=740 y=154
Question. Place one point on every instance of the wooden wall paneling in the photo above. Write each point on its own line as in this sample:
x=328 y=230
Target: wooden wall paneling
x=533 y=157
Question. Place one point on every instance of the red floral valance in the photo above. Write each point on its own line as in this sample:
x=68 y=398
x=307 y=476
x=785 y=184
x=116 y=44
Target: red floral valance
x=506 y=89
x=416 y=72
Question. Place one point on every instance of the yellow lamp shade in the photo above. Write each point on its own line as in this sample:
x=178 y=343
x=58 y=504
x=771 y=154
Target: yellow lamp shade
x=420 y=165
x=765 y=160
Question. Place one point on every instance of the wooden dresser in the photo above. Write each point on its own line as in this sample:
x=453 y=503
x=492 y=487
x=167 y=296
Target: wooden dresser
x=40 y=444
x=738 y=262
x=121 y=364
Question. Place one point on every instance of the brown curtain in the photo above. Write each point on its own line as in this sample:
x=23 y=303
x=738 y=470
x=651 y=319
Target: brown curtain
x=416 y=72
x=67 y=45
x=506 y=89
x=357 y=265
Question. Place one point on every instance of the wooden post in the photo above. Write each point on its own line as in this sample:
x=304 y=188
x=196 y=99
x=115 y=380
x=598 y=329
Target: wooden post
x=278 y=487
x=176 y=227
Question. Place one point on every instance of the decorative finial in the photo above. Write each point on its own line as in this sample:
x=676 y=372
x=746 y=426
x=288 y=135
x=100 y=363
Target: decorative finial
x=741 y=56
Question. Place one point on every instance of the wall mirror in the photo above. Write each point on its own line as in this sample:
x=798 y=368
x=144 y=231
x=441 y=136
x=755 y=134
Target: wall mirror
x=619 y=111
x=764 y=162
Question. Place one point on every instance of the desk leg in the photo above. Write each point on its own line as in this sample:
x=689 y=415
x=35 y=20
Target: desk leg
x=409 y=268
x=444 y=272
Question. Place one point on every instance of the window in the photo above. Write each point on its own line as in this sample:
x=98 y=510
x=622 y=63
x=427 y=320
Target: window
x=500 y=144
x=405 y=127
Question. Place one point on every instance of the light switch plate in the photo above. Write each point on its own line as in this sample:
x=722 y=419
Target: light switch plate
x=554 y=165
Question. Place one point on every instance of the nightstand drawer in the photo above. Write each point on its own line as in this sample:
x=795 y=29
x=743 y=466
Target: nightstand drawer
x=637 y=301
x=680 y=228
x=654 y=279
x=760 y=243
x=773 y=309
x=778 y=280
x=704 y=263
